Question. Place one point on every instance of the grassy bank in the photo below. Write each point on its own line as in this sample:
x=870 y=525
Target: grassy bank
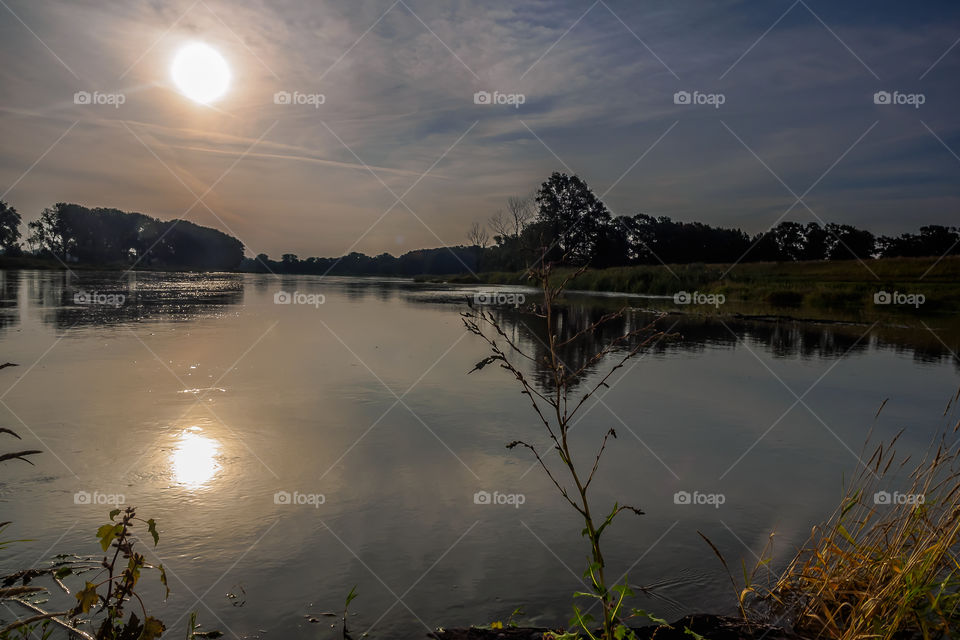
x=825 y=285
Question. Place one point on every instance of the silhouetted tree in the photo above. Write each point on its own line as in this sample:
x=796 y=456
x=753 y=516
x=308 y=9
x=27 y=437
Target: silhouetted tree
x=574 y=217
x=9 y=229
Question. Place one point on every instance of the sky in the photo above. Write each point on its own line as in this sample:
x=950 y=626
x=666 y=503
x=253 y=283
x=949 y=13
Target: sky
x=728 y=112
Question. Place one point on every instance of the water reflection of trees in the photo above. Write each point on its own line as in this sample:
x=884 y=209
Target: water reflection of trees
x=783 y=339
x=141 y=295
x=9 y=300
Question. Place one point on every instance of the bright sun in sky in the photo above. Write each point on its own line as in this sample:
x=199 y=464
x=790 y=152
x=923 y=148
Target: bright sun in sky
x=200 y=73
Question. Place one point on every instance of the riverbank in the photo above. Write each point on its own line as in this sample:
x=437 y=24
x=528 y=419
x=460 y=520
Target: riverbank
x=911 y=286
x=687 y=628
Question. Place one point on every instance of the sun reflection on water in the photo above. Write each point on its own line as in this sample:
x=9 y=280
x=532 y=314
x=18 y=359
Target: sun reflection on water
x=194 y=458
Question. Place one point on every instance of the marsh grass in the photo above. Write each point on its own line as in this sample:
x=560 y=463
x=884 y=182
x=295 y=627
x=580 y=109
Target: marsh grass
x=840 y=284
x=883 y=567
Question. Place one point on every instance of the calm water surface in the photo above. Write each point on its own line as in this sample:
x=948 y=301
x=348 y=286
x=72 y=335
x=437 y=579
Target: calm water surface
x=198 y=399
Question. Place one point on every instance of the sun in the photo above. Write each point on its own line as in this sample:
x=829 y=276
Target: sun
x=200 y=73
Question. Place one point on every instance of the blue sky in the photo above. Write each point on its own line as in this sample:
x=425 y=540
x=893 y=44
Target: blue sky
x=796 y=79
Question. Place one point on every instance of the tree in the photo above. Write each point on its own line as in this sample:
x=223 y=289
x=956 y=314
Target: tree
x=521 y=212
x=50 y=232
x=846 y=242
x=478 y=235
x=574 y=217
x=502 y=227
x=9 y=228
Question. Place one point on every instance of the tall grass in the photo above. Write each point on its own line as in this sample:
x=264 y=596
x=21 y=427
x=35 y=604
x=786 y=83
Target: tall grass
x=818 y=284
x=885 y=565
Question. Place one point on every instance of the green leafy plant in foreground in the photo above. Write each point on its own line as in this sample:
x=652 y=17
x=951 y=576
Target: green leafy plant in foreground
x=107 y=592
x=556 y=409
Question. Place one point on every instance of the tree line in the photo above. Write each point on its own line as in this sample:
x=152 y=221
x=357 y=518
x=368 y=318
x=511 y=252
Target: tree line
x=568 y=223
x=71 y=233
x=563 y=221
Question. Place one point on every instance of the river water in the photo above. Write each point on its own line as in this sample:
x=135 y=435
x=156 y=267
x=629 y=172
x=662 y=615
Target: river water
x=291 y=451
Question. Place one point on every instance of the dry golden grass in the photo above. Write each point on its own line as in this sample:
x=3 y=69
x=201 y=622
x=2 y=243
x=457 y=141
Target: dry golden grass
x=877 y=570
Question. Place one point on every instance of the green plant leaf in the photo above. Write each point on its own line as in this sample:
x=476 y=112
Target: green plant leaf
x=87 y=597
x=640 y=613
x=152 y=528
x=163 y=581
x=107 y=533
x=623 y=589
x=842 y=530
x=152 y=628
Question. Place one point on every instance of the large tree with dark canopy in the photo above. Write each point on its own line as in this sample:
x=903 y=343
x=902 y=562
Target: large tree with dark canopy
x=110 y=236
x=573 y=216
x=9 y=229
